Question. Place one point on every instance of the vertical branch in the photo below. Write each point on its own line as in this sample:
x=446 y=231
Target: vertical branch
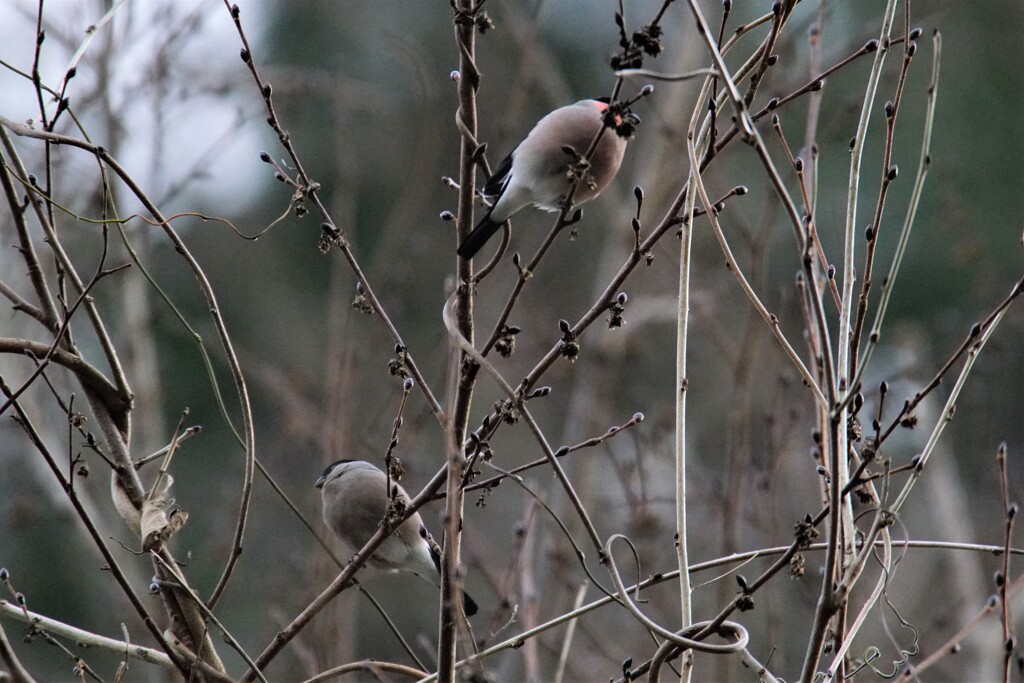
x=451 y=595
x=46 y=311
x=468 y=79
x=682 y=337
x=682 y=330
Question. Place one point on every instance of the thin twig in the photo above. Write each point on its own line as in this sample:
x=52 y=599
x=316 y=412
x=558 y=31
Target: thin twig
x=19 y=674
x=977 y=331
x=1010 y=511
x=560 y=453
x=370 y=666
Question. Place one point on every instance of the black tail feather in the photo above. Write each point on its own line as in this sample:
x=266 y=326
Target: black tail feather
x=475 y=240
x=468 y=603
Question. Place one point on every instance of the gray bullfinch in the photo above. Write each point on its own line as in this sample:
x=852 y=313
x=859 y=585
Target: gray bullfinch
x=354 y=500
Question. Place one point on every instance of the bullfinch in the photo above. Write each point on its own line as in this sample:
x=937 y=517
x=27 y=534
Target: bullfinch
x=538 y=171
x=354 y=500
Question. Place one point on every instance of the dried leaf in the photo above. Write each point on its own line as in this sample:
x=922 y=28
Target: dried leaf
x=175 y=521
x=160 y=519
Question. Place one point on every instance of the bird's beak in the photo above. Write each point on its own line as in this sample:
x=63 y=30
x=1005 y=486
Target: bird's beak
x=320 y=482
x=634 y=118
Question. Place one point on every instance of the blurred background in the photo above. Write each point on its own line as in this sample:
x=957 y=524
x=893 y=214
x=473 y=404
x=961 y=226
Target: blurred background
x=364 y=90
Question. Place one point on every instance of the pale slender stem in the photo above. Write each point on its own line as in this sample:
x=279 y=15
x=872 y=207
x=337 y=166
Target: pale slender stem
x=680 y=388
x=682 y=335
x=570 y=631
x=742 y=119
x=519 y=403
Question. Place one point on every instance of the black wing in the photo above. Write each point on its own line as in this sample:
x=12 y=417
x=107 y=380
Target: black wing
x=493 y=188
x=496 y=183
